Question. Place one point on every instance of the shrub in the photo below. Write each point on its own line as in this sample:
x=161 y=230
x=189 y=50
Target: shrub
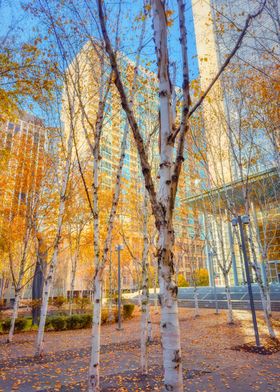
x=104 y=316
x=202 y=277
x=87 y=320
x=74 y=322
x=35 y=303
x=115 y=299
x=58 y=302
x=182 y=281
x=6 y=324
x=128 y=310
x=107 y=318
x=116 y=315
x=78 y=321
x=82 y=302
x=48 y=323
x=20 y=324
x=58 y=323
x=2 y=304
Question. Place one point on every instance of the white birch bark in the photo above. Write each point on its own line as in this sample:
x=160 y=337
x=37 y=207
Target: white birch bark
x=95 y=352
x=163 y=203
x=229 y=302
x=196 y=307
x=14 y=316
x=110 y=310
x=266 y=314
x=155 y=290
x=263 y=293
x=73 y=278
x=48 y=282
x=2 y=287
x=94 y=375
x=19 y=284
x=170 y=332
x=224 y=261
x=145 y=293
x=150 y=326
x=263 y=246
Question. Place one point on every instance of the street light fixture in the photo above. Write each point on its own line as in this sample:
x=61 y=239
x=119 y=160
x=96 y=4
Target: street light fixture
x=119 y=248
x=240 y=221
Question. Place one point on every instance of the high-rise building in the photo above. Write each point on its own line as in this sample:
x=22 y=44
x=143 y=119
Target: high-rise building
x=218 y=25
x=23 y=156
x=241 y=158
x=86 y=79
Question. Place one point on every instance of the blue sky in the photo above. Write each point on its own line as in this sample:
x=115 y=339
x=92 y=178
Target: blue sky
x=12 y=14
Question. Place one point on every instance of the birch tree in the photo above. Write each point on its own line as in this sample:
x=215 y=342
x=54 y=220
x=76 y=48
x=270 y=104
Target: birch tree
x=49 y=278
x=38 y=278
x=93 y=132
x=19 y=281
x=74 y=258
x=94 y=375
x=265 y=226
x=246 y=153
x=162 y=202
x=20 y=235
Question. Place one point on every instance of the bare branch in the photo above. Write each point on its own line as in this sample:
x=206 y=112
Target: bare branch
x=248 y=21
x=186 y=104
x=146 y=169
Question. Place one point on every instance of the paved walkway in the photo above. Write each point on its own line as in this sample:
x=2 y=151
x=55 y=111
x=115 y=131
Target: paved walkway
x=209 y=362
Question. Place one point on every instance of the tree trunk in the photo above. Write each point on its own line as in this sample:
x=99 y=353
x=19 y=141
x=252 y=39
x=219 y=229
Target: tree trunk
x=38 y=280
x=170 y=331
x=150 y=326
x=266 y=290
x=170 y=338
x=2 y=288
x=44 y=307
x=49 y=280
x=14 y=316
x=155 y=290
x=264 y=294
x=261 y=285
x=99 y=268
x=266 y=313
x=162 y=204
x=262 y=245
x=144 y=338
x=37 y=289
x=110 y=311
x=196 y=307
x=73 y=278
x=99 y=265
x=236 y=233
x=229 y=303
x=94 y=373
x=145 y=293
x=18 y=284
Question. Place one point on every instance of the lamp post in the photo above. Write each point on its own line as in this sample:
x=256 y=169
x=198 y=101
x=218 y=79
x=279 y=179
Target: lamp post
x=119 y=248
x=240 y=221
